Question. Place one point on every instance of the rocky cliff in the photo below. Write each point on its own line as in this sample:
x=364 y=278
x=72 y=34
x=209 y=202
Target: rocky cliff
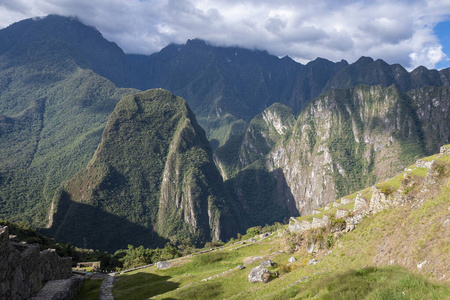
x=410 y=190
x=151 y=177
x=348 y=139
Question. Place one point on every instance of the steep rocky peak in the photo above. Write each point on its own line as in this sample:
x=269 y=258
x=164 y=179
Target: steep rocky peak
x=363 y=60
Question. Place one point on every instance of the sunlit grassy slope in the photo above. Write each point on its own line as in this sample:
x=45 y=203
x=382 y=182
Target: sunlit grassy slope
x=377 y=260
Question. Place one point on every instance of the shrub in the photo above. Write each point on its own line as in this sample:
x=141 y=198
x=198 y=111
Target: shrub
x=330 y=241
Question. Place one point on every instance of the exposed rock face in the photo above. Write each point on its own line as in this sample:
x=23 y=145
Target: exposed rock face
x=259 y=274
x=380 y=200
x=348 y=139
x=151 y=177
x=23 y=269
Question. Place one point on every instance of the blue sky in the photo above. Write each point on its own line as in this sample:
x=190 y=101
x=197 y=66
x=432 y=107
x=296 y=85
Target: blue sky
x=442 y=31
x=409 y=32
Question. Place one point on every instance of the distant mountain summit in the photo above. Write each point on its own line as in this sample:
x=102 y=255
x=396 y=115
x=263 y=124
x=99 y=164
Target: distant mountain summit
x=55 y=37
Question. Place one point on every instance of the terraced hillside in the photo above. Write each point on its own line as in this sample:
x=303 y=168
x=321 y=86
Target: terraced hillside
x=390 y=240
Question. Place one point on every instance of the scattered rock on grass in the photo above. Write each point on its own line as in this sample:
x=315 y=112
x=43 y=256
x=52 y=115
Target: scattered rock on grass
x=162 y=265
x=266 y=263
x=259 y=274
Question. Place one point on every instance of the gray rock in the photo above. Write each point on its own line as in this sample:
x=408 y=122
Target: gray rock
x=162 y=265
x=241 y=267
x=360 y=204
x=24 y=269
x=340 y=214
x=419 y=266
x=345 y=201
x=312 y=262
x=259 y=274
x=447 y=222
x=60 y=289
x=266 y=234
x=266 y=263
x=292 y=259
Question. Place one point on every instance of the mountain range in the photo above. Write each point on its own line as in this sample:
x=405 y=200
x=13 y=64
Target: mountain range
x=256 y=139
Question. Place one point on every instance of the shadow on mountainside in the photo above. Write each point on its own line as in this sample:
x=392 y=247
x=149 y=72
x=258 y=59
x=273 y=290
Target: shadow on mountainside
x=143 y=285
x=263 y=196
x=91 y=227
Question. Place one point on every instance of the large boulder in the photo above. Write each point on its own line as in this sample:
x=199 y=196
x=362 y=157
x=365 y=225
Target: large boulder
x=259 y=274
x=266 y=263
x=162 y=265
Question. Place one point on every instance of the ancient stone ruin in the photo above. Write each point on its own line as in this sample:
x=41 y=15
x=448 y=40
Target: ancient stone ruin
x=24 y=269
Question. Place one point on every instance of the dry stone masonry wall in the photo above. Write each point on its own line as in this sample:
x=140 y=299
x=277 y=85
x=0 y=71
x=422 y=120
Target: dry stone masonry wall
x=24 y=269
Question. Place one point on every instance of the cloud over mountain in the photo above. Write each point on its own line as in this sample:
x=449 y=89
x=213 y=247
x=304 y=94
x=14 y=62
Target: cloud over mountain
x=396 y=31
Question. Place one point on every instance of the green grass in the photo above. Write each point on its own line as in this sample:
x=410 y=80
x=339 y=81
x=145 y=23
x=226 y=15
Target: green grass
x=141 y=285
x=444 y=159
x=90 y=290
x=368 y=283
x=351 y=196
x=366 y=193
x=419 y=172
x=187 y=274
x=390 y=186
x=348 y=272
x=348 y=206
x=430 y=158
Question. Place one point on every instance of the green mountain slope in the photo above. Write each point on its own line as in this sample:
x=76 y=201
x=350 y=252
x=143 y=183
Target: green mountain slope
x=53 y=109
x=151 y=176
x=51 y=140
x=397 y=250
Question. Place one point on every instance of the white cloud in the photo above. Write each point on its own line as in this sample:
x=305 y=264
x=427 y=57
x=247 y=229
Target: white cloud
x=396 y=31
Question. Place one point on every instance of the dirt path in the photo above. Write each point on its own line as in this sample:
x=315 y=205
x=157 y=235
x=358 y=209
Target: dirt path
x=106 y=288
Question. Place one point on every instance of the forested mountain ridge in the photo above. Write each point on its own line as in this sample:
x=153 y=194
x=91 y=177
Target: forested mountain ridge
x=286 y=137
x=153 y=169
x=53 y=109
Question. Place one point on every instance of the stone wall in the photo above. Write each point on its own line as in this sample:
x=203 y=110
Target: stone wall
x=445 y=150
x=424 y=164
x=23 y=268
x=360 y=204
